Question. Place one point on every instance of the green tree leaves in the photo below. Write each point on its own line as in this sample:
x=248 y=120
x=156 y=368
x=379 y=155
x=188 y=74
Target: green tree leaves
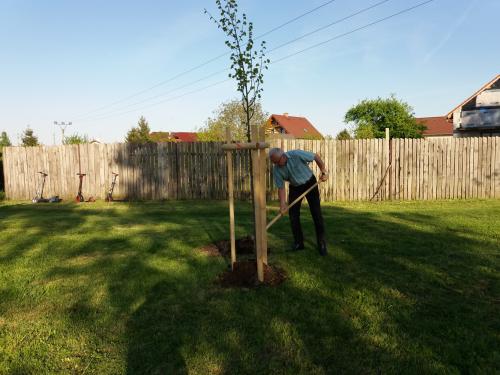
x=343 y=135
x=247 y=64
x=371 y=117
x=139 y=134
x=28 y=138
x=75 y=139
x=230 y=114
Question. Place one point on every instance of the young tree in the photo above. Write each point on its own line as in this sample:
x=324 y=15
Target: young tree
x=247 y=64
x=28 y=138
x=139 y=134
x=371 y=117
x=76 y=139
x=230 y=114
x=343 y=135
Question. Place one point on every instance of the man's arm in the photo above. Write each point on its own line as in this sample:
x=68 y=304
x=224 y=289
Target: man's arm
x=322 y=168
x=282 y=198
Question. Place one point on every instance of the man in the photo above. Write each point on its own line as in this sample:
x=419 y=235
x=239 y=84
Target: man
x=292 y=166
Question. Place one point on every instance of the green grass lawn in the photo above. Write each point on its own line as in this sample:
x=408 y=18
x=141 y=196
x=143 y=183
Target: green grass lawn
x=111 y=289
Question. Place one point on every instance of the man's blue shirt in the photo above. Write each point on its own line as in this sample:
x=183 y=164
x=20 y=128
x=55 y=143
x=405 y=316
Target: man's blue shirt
x=296 y=169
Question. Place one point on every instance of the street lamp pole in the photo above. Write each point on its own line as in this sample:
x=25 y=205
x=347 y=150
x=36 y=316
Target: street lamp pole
x=63 y=125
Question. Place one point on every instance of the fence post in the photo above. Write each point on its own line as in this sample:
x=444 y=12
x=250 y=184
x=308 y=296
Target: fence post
x=387 y=146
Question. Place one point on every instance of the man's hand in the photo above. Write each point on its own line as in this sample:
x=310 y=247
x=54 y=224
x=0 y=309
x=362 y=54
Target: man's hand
x=324 y=176
x=282 y=198
x=322 y=168
x=283 y=209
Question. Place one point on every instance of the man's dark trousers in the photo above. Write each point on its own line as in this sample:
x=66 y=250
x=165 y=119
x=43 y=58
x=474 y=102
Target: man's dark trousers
x=315 y=207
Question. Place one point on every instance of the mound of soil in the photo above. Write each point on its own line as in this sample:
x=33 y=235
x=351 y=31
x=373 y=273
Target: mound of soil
x=244 y=245
x=245 y=275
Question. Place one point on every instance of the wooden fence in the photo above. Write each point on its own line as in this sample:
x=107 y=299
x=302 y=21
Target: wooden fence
x=402 y=169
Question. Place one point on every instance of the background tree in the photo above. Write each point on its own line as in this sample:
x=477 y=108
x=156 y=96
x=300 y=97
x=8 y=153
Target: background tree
x=371 y=117
x=230 y=114
x=161 y=137
x=365 y=131
x=343 y=135
x=4 y=142
x=247 y=64
x=139 y=134
x=75 y=139
x=28 y=138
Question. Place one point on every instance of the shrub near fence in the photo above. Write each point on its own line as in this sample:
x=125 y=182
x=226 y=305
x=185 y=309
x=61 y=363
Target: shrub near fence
x=373 y=169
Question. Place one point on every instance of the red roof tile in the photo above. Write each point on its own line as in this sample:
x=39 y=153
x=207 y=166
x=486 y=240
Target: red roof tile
x=185 y=136
x=436 y=126
x=299 y=127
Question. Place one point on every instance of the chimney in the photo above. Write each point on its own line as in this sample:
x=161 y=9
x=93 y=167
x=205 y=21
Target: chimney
x=285 y=114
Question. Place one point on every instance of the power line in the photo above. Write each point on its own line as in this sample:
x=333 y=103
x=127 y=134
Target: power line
x=353 y=31
x=294 y=19
x=352 y=15
x=164 y=101
x=161 y=83
x=156 y=96
x=287 y=56
x=227 y=69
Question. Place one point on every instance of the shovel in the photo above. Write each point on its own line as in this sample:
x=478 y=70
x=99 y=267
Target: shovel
x=301 y=196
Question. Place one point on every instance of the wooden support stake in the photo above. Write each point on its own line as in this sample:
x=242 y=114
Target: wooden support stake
x=230 y=190
x=263 y=217
x=245 y=146
x=257 y=190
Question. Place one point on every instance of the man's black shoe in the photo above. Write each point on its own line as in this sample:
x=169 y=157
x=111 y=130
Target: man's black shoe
x=297 y=247
x=322 y=248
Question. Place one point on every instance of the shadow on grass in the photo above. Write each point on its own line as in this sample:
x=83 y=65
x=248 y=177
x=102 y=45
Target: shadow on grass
x=399 y=292
x=391 y=298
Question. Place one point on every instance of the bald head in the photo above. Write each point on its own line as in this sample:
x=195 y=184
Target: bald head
x=277 y=156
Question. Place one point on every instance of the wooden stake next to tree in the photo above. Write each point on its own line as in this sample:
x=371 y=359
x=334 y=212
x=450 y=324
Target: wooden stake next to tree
x=258 y=149
x=230 y=191
x=262 y=174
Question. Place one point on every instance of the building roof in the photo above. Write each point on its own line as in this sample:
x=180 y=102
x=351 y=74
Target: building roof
x=485 y=87
x=436 y=126
x=185 y=136
x=160 y=137
x=299 y=127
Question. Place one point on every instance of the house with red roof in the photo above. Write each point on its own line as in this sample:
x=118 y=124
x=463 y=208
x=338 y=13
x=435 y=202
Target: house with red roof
x=291 y=127
x=185 y=136
x=436 y=126
x=160 y=137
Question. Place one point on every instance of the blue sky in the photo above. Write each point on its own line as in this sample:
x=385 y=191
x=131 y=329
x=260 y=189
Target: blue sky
x=61 y=60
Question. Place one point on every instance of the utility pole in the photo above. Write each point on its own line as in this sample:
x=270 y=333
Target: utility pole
x=63 y=126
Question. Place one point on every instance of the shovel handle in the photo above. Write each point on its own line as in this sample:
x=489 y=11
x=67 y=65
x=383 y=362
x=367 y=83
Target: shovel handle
x=301 y=196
